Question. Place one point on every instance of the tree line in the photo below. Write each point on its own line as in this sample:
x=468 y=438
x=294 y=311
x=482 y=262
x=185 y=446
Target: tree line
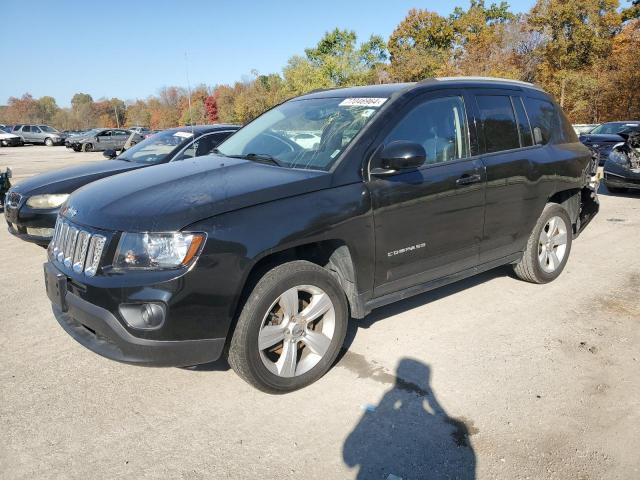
x=584 y=52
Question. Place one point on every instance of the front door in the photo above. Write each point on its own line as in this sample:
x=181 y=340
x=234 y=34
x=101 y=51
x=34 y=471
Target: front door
x=429 y=221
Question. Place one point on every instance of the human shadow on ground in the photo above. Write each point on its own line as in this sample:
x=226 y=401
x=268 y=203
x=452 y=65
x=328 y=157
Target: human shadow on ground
x=410 y=435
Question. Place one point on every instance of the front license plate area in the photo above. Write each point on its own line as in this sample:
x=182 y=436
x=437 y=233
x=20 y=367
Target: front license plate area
x=56 y=284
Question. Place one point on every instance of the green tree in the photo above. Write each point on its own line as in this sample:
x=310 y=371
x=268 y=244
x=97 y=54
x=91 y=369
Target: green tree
x=420 y=45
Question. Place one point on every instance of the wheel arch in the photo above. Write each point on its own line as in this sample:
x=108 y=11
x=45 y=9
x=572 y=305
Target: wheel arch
x=570 y=201
x=334 y=255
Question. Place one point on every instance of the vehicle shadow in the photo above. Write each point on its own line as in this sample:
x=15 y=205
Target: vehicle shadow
x=419 y=300
x=410 y=435
x=381 y=313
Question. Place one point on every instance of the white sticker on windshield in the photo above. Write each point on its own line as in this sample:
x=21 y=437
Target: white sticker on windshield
x=362 y=102
x=183 y=134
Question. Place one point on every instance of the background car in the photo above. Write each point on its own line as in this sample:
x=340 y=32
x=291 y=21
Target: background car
x=138 y=129
x=34 y=203
x=603 y=137
x=39 y=134
x=5 y=185
x=622 y=168
x=102 y=139
x=9 y=139
x=581 y=128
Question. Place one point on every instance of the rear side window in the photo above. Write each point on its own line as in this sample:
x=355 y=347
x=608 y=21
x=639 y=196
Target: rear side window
x=498 y=123
x=548 y=122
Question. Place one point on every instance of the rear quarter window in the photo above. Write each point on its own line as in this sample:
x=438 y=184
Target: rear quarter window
x=549 y=123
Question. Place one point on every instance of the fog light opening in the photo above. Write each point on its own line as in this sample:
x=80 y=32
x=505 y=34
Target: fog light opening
x=143 y=316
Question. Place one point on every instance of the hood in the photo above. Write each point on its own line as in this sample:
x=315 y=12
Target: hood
x=69 y=179
x=600 y=138
x=172 y=196
x=6 y=135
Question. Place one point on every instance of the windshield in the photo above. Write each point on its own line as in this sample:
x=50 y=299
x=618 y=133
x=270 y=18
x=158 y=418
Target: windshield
x=303 y=133
x=156 y=148
x=46 y=128
x=613 y=128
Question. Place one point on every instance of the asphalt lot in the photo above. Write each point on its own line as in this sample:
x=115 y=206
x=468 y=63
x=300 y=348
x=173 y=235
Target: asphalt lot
x=489 y=378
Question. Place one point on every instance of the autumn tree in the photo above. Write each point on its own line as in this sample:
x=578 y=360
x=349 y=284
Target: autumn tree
x=578 y=34
x=420 y=45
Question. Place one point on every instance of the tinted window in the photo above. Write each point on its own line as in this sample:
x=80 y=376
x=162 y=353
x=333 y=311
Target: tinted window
x=545 y=121
x=498 y=123
x=524 y=129
x=35 y=129
x=106 y=133
x=26 y=128
x=439 y=125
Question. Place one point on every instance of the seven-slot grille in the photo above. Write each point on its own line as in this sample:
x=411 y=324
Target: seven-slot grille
x=76 y=248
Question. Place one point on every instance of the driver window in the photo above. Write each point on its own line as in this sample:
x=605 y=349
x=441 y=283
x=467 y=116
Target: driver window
x=439 y=125
x=106 y=133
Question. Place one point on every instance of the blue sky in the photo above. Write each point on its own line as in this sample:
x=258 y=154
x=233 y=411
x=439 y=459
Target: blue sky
x=130 y=49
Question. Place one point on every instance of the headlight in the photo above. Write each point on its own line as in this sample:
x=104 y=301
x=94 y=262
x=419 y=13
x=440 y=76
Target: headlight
x=618 y=157
x=47 y=201
x=156 y=251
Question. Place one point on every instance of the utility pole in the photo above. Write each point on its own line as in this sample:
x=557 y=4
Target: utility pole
x=115 y=109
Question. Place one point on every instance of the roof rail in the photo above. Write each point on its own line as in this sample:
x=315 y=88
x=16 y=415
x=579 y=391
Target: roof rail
x=483 y=79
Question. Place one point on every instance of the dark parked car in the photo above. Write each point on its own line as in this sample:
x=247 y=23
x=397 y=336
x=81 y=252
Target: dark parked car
x=268 y=248
x=604 y=137
x=5 y=185
x=622 y=169
x=34 y=203
x=39 y=134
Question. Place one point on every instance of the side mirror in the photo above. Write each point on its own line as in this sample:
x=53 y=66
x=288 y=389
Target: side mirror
x=110 y=154
x=398 y=156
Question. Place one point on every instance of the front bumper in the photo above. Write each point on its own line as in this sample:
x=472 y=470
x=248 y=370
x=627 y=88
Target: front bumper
x=23 y=221
x=619 y=177
x=99 y=330
x=11 y=142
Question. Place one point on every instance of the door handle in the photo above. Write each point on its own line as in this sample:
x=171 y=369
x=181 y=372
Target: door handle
x=468 y=179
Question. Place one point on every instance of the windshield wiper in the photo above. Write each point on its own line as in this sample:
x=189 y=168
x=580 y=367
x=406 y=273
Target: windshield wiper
x=261 y=157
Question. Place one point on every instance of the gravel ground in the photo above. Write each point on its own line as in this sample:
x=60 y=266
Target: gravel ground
x=489 y=378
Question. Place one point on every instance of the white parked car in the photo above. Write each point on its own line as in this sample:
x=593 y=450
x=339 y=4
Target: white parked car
x=9 y=139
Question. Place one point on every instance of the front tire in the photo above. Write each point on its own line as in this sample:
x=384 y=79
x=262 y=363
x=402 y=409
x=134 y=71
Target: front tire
x=87 y=147
x=548 y=246
x=291 y=328
x=48 y=142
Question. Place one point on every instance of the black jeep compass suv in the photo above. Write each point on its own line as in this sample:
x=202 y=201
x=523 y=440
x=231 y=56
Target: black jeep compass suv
x=264 y=250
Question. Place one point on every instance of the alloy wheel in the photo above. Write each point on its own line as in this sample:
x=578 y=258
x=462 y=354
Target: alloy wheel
x=552 y=244
x=296 y=331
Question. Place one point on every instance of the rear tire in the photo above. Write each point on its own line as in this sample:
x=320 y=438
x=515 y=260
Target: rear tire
x=548 y=247
x=291 y=328
x=87 y=147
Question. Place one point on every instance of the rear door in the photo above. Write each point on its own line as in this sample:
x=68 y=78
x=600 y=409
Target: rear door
x=25 y=133
x=37 y=135
x=510 y=158
x=428 y=222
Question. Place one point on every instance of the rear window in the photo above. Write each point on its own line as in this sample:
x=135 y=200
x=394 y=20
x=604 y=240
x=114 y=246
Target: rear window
x=498 y=123
x=549 y=123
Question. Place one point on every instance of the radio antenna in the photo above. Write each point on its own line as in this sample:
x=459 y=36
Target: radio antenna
x=186 y=63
